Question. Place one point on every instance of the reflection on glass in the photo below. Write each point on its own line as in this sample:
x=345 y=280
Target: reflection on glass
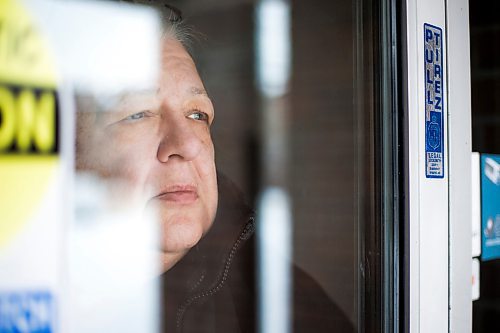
x=113 y=240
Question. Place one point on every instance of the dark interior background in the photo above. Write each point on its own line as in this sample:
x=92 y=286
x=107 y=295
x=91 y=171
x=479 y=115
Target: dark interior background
x=485 y=81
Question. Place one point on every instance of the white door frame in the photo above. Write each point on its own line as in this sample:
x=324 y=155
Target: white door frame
x=439 y=208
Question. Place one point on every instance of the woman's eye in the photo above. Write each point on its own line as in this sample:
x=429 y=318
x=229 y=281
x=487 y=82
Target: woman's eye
x=136 y=116
x=198 y=115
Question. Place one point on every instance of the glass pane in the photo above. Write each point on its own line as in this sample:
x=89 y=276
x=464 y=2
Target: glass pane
x=243 y=151
x=264 y=145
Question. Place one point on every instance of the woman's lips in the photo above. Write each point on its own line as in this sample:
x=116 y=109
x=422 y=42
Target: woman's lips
x=180 y=194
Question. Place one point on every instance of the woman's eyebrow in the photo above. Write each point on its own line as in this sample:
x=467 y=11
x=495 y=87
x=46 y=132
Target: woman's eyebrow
x=198 y=91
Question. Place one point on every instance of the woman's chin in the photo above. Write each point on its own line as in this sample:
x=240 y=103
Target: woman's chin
x=168 y=259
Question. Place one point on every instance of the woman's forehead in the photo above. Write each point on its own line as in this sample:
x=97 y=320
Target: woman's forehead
x=178 y=70
x=174 y=51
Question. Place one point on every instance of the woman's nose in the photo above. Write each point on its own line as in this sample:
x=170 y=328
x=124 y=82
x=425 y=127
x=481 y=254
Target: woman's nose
x=178 y=140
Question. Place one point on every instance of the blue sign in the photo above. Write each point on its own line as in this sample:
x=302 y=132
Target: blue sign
x=490 y=206
x=26 y=312
x=434 y=101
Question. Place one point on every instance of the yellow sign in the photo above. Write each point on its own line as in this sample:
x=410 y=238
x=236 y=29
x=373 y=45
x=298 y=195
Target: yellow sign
x=29 y=142
x=27 y=120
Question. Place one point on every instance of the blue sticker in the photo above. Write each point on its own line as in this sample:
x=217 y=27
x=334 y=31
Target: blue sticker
x=26 y=312
x=490 y=209
x=434 y=101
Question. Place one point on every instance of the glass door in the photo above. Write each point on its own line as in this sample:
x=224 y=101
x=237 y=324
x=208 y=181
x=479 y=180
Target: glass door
x=266 y=149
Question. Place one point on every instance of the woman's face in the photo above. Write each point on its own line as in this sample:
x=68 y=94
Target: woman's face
x=160 y=145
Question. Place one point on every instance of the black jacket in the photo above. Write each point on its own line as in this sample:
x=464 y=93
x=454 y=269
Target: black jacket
x=213 y=289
